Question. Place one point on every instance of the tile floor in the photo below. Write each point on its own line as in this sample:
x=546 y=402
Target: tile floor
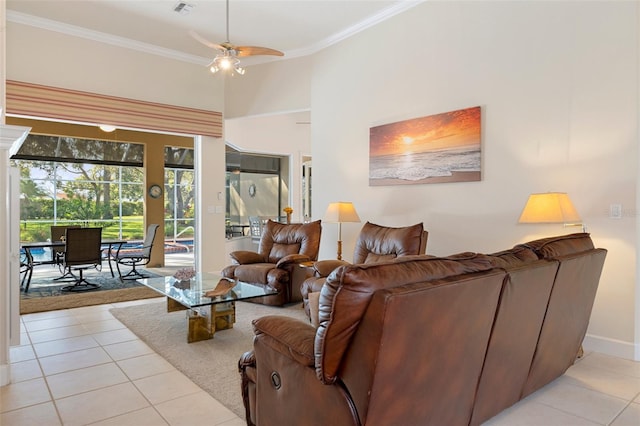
x=82 y=366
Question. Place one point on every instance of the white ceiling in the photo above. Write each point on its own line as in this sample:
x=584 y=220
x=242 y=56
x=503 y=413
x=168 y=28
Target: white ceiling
x=297 y=28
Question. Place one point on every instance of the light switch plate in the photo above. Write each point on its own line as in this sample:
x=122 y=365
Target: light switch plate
x=615 y=211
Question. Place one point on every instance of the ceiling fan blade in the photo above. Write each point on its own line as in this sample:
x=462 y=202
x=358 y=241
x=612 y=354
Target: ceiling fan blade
x=204 y=41
x=255 y=51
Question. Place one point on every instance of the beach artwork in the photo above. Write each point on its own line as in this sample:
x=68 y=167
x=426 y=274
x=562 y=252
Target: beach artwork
x=434 y=149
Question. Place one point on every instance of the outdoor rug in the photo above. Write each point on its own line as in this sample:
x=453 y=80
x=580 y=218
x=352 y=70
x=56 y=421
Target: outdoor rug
x=45 y=294
x=211 y=364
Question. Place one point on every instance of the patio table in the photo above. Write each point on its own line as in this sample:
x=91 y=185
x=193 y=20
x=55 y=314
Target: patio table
x=111 y=247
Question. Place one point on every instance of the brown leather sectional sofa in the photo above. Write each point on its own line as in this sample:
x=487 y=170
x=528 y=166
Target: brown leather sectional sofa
x=426 y=341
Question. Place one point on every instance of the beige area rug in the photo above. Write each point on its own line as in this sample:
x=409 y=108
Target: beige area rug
x=77 y=300
x=46 y=294
x=211 y=364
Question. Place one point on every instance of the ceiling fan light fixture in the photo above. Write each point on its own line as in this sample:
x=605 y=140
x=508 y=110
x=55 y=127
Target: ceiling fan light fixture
x=226 y=62
x=227 y=58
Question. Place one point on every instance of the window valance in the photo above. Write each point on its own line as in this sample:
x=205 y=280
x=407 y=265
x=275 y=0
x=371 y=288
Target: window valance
x=33 y=100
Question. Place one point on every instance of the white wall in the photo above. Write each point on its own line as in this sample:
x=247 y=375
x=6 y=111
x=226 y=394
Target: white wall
x=282 y=86
x=46 y=57
x=286 y=134
x=558 y=87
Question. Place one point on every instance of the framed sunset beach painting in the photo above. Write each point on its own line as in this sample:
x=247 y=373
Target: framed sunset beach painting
x=433 y=149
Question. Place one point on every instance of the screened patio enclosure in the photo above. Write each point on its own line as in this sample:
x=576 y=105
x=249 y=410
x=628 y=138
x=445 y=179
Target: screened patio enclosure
x=93 y=182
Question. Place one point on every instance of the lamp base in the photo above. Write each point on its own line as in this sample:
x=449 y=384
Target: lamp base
x=339 y=250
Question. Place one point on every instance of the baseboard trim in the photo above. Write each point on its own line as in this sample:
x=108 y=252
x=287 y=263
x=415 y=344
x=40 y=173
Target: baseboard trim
x=613 y=347
x=5 y=374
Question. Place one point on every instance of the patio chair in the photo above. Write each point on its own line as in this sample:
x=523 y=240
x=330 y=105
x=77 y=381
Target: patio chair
x=58 y=233
x=137 y=257
x=26 y=269
x=82 y=251
x=256 y=223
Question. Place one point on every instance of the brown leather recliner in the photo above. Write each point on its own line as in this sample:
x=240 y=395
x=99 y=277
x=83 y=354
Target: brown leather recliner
x=375 y=244
x=282 y=248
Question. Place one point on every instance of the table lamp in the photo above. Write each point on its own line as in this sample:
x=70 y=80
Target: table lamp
x=551 y=207
x=340 y=212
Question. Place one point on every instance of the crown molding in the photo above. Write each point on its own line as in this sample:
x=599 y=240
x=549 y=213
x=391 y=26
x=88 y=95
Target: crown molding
x=369 y=22
x=76 y=31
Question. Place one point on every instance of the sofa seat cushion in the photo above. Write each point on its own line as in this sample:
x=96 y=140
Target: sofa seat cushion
x=348 y=290
x=561 y=245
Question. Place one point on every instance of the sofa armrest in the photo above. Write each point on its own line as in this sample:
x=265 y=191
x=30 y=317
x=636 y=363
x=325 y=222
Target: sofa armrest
x=287 y=388
x=288 y=336
x=325 y=267
x=247 y=369
x=292 y=259
x=244 y=257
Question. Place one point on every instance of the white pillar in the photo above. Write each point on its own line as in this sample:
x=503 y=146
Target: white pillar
x=11 y=137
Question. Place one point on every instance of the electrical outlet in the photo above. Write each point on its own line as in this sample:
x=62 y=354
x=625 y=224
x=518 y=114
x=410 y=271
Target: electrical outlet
x=615 y=211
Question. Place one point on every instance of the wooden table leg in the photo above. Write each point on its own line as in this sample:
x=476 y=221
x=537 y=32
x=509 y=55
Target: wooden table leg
x=224 y=315
x=203 y=322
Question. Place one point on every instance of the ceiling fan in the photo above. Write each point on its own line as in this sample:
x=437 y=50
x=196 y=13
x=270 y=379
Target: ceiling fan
x=227 y=58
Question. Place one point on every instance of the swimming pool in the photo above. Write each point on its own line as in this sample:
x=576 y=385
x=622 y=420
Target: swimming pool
x=180 y=246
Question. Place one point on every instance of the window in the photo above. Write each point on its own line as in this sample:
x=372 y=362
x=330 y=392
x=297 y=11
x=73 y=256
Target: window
x=75 y=181
x=61 y=193
x=179 y=204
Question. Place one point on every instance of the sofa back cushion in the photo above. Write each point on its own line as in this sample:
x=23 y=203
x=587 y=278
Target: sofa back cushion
x=567 y=317
x=382 y=243
x=348 y=290
x=280 y=239
x=514 y=337
x=561 y=245
x=517 y=256
x=419 y=350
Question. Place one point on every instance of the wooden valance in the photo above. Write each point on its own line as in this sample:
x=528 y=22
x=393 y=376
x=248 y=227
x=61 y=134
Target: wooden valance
x=53 y=103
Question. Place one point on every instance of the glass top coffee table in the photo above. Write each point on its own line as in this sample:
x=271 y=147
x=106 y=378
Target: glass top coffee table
x=205 y=314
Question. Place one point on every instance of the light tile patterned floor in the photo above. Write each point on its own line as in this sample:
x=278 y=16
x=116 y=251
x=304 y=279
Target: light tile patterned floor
x=81 y=366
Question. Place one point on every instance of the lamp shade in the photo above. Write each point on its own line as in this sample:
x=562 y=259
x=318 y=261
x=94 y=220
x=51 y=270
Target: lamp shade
x=340 y=212
x=549 y=207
